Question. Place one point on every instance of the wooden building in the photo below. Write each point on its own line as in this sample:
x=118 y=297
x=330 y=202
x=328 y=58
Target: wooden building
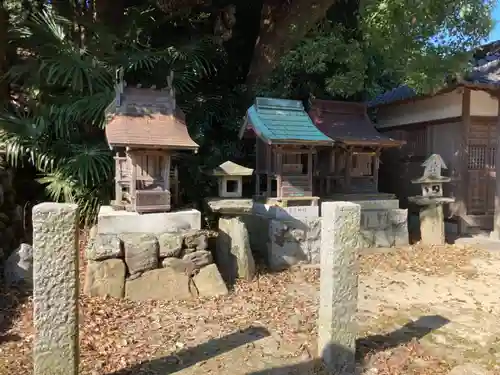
x=147 y=129
x=461 y=123
x=286 y=142
x=352 y=166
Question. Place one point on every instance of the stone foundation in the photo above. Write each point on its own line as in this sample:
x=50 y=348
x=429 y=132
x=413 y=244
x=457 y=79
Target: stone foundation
x=287 y=236
x=170 y=261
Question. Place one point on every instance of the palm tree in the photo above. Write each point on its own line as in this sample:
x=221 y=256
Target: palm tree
x=55 y=120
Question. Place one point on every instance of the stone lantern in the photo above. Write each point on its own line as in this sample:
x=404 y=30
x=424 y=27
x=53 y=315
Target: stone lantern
x=431 y=201
x=230 y=176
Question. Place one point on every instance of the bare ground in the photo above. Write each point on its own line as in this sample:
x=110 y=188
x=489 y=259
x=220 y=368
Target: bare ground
x=421 y=311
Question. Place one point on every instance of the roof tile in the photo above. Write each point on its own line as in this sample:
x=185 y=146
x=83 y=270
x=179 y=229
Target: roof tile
x=348 y=123
x=149 y=118
x=282 y=121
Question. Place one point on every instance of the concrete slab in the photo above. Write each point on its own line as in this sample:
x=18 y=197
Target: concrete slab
x=116 y=222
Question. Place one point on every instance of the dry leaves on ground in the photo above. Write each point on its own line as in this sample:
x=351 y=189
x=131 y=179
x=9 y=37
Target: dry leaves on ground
x=427 y=260
x=119 y=334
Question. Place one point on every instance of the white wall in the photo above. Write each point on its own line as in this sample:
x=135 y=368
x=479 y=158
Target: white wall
x=435 y=108
x=482 y=104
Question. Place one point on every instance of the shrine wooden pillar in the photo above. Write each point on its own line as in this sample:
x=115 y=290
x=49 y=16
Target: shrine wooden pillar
x=348 y=168
x=376 y=166
x=310 y=169
x=132 y=161
x=257 y=166
x=269 y=154
x=118 y=172
x=462 y=161
x=279 y=169
x=496 y=217
x=166 y=171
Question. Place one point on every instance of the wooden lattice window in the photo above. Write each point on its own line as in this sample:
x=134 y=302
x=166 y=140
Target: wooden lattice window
x=477 y=157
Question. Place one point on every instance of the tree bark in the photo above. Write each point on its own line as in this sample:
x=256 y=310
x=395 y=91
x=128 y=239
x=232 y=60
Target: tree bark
x=282 y=25
x=110 y=13
x=4 y=45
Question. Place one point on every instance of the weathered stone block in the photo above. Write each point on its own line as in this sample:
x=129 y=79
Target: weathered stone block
x=170 y=244
x=293 y=242
x=105 y=278
x=258 y=233
x=160 y=284
x=199 y=258
x=104 y=246
x=378 y=204
x=209 y=282
x=18 y=267
x=179 y=265
x=55 y=289
x=233 y=253
x=227 y=206
x=384 y=228
x=338 y=286
x=195 y=239
x=141 y=252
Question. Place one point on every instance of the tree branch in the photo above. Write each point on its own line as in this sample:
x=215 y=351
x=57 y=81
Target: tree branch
x=283 y=24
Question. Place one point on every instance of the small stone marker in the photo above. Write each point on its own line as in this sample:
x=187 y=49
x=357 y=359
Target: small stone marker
x=337 y=331
x=55 y=289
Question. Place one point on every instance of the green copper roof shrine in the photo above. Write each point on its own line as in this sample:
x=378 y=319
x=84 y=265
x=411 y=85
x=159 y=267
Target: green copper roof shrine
x=282 y=121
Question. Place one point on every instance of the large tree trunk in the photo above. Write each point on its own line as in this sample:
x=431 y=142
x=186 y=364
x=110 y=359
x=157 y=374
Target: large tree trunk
x=4 y=84
x=110 y=13
x=283 y=24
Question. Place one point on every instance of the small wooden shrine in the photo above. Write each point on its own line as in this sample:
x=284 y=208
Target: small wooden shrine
x=351 y=167
x=230 y=179
x=146 y=130
x=285 y=142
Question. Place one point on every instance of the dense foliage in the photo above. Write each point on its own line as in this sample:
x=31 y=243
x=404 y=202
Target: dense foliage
x=60 y=60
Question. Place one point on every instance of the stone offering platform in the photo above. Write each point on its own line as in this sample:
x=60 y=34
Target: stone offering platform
x=286 y=236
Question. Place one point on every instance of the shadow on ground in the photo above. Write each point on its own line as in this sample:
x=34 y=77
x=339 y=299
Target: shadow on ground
x=11 y=298
x=186 y=358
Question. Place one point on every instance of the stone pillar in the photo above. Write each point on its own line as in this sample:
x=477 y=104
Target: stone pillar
x=234 y=254
x=55 y=289
x=337 y=330
x=432 y=225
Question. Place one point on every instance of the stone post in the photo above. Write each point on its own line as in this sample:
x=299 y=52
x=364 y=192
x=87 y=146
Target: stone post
x=55 y=289
x=340 y=228
x=432 y=225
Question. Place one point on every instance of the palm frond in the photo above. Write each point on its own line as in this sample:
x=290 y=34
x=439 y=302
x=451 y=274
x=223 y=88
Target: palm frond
x=90 y=164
